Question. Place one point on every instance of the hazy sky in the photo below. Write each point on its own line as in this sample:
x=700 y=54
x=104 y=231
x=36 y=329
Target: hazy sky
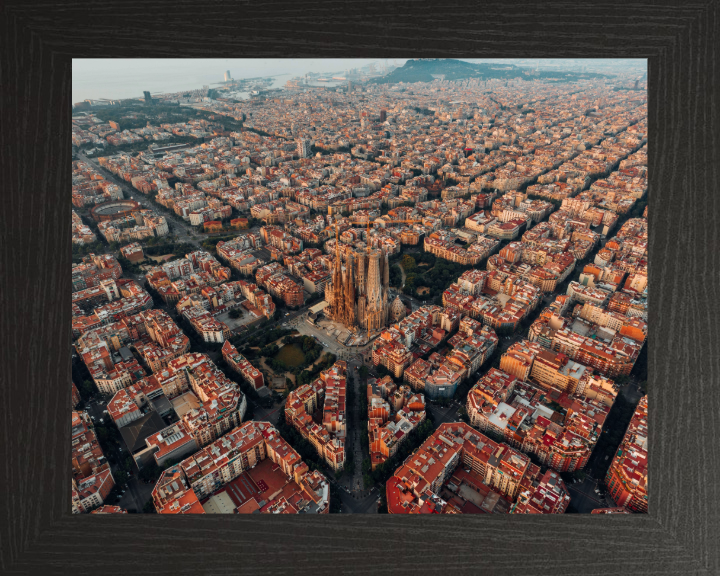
x=127 y=78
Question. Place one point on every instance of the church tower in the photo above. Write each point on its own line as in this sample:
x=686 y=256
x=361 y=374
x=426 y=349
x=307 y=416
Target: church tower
x=397 y=310
x=359 y=291
x=349 y=312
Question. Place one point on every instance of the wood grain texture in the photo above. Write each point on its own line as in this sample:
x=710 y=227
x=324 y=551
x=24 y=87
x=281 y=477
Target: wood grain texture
x=681 y=532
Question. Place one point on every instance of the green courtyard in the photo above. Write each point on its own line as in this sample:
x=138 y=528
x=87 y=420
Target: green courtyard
x=291 y=355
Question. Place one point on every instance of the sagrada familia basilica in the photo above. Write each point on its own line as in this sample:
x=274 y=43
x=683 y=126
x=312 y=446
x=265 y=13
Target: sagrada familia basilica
x=358 y=293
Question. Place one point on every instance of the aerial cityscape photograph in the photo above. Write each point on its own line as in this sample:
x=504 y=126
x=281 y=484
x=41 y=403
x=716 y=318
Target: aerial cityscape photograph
x=370 y=286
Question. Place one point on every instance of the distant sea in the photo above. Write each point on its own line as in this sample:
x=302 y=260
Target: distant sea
x=93 y=79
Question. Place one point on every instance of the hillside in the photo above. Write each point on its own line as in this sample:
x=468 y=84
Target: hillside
x=427 y=70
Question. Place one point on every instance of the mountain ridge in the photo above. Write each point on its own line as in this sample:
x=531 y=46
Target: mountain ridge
x=428 y=69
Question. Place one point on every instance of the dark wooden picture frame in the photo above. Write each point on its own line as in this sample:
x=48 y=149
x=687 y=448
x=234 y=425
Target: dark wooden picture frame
x=680 y=535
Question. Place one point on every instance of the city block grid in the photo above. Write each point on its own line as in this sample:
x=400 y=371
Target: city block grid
x=425 y=298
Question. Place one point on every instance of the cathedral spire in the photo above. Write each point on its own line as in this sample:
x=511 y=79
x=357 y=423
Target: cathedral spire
x=349 y=312
x=386 y=272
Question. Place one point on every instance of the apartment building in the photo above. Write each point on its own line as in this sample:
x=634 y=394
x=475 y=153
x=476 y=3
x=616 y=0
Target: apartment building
x=326 y=393
x=171 y=443
x=190 y=486
x=218 y=405
x=393 y=355
x=443 y=245
x=127 y=405
x=274 y=279
x=416 y=484
x=550 y=496
x=207 y=327
x=239 y=363
x=91 y=491
x=626 y=478
x=133 y=252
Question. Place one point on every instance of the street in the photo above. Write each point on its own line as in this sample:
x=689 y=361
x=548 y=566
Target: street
x=443 y=414
x=631 y=391
x=583 y=497
x=137 y=492
x=136 y=495
x=271 y=415
x=365 y=505
x=353 y=440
